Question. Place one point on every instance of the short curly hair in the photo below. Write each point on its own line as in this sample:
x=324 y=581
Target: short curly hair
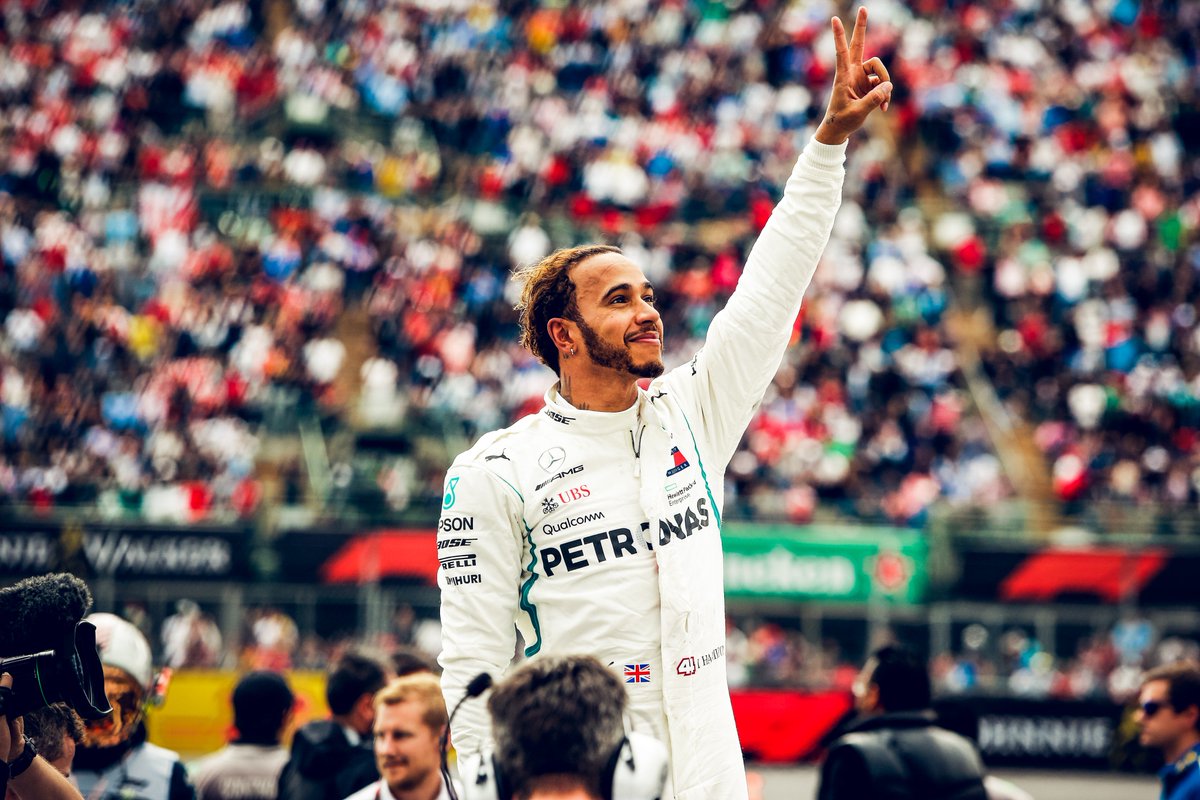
x=557 y=716
x=49 y=728
x=547 y=291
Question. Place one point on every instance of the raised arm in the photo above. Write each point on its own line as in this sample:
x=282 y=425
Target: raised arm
x=36 y=778
x=859 y=87
x=724 y=384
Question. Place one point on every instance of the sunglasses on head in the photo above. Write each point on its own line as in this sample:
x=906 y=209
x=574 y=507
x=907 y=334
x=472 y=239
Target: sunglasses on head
x=1151 y=707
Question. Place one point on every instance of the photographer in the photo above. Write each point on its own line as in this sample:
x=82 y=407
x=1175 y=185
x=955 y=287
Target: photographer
x=28 y=775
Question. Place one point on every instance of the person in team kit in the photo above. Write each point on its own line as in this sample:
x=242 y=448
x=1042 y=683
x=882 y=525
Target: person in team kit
x=594 y=525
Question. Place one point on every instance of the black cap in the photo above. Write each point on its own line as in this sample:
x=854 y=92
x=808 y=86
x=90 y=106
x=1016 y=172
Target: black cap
x=261 y=701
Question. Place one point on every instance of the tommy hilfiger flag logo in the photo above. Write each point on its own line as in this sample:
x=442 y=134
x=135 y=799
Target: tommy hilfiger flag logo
x=637 y=673
x=681 y=463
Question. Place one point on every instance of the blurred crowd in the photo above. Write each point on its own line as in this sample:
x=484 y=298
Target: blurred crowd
x=1106 y=663
x=219 y=213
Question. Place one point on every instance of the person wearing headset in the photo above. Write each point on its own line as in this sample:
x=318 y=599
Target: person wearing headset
x=559 y=726
x=114 y=761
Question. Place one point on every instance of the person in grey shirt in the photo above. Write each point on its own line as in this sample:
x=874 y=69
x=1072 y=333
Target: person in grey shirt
x=248 y=768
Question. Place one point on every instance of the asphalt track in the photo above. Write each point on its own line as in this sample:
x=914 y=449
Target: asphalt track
x=800 y=783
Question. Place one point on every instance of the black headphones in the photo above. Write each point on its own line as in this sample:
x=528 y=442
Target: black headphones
x=636 y=770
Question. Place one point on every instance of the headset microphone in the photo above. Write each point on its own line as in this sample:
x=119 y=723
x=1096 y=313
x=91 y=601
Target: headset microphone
x=478 y=685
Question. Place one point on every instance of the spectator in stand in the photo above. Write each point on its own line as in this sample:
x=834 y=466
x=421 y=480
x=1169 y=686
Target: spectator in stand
x=249 y=767
x=142 y=307
x=191 y=638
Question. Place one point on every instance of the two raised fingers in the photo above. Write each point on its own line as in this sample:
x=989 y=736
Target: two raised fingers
x=852 y=53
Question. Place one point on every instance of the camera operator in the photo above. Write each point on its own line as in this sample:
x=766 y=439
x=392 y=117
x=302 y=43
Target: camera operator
x=28 y=775
x=559 y=729
x=55 y=731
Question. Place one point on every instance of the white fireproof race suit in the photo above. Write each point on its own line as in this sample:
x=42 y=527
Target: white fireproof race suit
x=599 y=533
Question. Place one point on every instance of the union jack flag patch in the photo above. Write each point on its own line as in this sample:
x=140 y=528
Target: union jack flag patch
x=637 y=673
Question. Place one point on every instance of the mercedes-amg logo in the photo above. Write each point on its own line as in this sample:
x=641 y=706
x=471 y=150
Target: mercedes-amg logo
x=552 y=458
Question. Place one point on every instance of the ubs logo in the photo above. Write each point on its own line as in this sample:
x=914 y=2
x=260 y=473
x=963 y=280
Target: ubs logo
x=574 y=493
x=551 y=458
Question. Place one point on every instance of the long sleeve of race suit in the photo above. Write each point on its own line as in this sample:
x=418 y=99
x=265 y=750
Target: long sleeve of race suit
x=746 y=340
x=479 y=550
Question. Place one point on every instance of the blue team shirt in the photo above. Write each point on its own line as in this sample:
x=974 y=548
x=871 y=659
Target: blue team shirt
x=1181 y=779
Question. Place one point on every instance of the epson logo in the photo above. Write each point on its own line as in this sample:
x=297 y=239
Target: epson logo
x=573 y=470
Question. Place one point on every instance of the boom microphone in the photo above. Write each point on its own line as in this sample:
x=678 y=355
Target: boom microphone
x=35 y=612
x=49 y=651
x=478 y=685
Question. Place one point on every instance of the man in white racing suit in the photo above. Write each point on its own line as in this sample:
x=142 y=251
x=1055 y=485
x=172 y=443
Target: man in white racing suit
x=593 y=527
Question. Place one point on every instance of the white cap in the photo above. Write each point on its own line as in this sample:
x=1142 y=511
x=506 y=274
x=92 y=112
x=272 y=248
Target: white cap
x=123 y=646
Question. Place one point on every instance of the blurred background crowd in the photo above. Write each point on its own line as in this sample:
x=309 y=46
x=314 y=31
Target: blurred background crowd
x=222 y=218
x=762 y=651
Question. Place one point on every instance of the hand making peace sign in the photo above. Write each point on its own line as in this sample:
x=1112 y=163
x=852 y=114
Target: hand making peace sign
x=859 y=87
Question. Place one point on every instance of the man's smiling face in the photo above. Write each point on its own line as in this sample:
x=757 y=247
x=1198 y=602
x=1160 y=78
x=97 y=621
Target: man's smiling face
x=620 y=326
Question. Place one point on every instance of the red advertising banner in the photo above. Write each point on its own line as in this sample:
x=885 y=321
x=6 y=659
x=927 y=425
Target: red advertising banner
x=785 y=726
